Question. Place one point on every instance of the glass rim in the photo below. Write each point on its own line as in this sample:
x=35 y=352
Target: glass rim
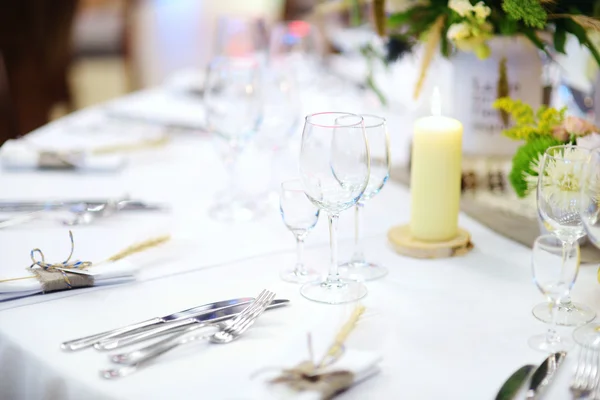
x=309 y=119
x=566 y=146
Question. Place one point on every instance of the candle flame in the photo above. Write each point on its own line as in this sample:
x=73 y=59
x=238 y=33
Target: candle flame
x=436 y=102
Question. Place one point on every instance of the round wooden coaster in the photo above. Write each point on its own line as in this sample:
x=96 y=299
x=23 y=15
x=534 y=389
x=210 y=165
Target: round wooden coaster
x=403 y=243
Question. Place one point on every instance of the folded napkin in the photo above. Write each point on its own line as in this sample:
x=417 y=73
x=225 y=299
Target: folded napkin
x=168 y=108
x=109 y=273
x=353 y=367
x=18 y=154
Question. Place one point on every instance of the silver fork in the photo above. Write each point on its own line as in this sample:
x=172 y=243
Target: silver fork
x=586 y=374
x=226 y=333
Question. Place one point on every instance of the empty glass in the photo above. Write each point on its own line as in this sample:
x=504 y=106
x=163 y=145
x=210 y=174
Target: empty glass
x=554 y=272
x=233 y=105
x=334 y=168
x=300 y=216
x=589 y=335
x=358 y=267
x=295 y=46
x=239 y=36
x=558 y=203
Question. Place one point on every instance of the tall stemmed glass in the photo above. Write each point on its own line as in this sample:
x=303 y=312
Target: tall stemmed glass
x=589 y=335
x=554 y=272
x=334 y=169
x=233 y=104
x=558 y=203
x=239 y=36
x=358 y=268
x=300 y=216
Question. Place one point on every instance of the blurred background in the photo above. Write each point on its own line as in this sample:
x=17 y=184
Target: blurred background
x=63 y=55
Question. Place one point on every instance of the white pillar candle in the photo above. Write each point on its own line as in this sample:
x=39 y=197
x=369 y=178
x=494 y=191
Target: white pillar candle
x=435 y=176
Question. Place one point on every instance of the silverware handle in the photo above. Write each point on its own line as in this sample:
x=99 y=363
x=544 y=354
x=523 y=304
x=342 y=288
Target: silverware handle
x=137 y=337
x=87 y=341
x=154 y=350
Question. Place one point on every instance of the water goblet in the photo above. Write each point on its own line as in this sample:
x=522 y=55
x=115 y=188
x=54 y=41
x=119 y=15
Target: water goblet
x=334 y=169
x=554 y=272
x=233 y=104
x=589 y=335
x=300 y=216
x=559 y=202
x=358 y=267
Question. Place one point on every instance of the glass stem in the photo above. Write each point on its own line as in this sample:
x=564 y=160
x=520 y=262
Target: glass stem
x=300 y=268
x=552 y=335
x=333 y=276
x=565 y=302
x=231 y=166
x=359 y=255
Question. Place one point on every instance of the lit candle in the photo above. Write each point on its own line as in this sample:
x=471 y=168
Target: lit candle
x=435 y=176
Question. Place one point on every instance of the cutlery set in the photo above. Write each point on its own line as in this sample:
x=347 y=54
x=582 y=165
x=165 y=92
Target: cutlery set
x=79 y=211
x=584 y=385
x=219 y=323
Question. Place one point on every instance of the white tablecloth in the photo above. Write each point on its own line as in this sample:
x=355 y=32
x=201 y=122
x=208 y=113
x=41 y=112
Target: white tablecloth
x=448 y=329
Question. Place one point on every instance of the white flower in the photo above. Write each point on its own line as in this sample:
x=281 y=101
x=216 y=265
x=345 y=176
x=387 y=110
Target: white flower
x=458 y=31
x=481 y=10
x=462 y=7
x=561 y=181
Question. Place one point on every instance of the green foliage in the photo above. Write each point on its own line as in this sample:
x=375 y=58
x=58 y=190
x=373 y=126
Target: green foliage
x=529 y=125
x=530 y=12
x=522 y=163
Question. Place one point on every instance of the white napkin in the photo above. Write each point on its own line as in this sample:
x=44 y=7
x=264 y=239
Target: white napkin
x=363 y=364
x=18 y=154
x=105 y=274
x=170 y=108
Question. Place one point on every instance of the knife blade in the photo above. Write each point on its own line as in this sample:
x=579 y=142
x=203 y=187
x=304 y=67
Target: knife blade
x=122 y=205
x=87 y=341
x=176 y=326
x=512 y=385
x=544 y=374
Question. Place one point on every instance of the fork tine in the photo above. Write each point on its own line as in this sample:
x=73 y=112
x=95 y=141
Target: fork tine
x=248 y=311
x=260 y=306
x=243 y=326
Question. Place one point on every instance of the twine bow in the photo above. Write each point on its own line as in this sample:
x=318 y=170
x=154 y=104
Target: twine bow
x=59 y=267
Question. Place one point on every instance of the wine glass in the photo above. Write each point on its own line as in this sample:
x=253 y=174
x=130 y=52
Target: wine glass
x=296 y=46
x=589 y=335
x=558 y=203
x=554 y=272
x=233 y=105
x=239 y=36
x=300 y=216
x=334 y=168
x=358 y=267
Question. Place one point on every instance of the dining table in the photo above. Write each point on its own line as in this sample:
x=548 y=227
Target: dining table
x=450 y=328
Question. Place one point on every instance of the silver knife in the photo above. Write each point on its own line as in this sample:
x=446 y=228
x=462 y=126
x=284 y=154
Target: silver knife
x=511 y=387
x=176 y=326
x=84 y=342
x=544 y=374
x=122 y=205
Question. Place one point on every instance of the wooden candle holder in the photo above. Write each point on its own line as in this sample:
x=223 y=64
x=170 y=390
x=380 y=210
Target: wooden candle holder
x=401 y=240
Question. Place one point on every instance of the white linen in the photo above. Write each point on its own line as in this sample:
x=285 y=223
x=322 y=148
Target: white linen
x=108 y=274
x=449 y=329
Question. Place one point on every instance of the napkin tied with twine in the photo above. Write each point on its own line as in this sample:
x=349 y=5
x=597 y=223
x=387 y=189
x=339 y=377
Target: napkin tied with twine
x=53 y=281
x=310 y=376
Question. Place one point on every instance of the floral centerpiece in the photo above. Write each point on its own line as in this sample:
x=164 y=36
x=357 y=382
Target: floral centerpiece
x=468 y=25
x=540 y=130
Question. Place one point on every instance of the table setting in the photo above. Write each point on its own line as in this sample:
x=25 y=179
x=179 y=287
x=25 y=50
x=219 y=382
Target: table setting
x=239 y=232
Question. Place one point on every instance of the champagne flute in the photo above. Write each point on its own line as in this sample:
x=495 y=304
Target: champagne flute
x=300 y=216
x=589 y=335
x=554 y=272
x=358 y=267
x=334 y=169
x=558 y=203
x=233 y=104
